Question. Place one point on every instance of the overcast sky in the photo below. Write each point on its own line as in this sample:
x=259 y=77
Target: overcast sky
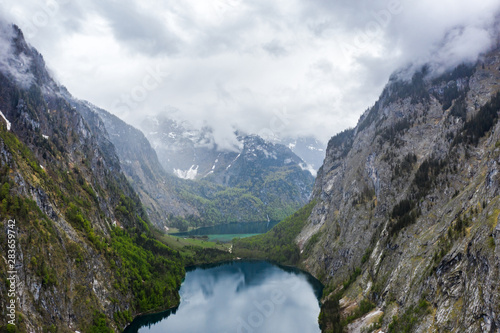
x=286 y=68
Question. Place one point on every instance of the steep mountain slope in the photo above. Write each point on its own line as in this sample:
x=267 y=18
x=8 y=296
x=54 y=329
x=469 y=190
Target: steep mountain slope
x=262 y=182
x=84 y=254
x=182 y=150
x=407 y=208
x=190 y=153
x=158 y=191
x=271 y=172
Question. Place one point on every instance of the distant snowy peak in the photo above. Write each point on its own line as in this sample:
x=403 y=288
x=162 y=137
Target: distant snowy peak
x=191 y=153
x=256 y=148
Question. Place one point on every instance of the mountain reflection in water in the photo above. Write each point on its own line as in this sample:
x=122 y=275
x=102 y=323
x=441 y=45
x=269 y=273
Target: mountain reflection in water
x=241 y=296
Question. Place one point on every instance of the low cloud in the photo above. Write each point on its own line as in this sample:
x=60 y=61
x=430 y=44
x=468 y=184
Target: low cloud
x=282 y=68
x=13 y=64
x=275 y=48
x=140 y=30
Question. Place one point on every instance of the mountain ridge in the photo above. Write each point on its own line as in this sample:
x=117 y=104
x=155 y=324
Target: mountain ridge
x=263 y=182
x=403 y=226
x=402 y=212
x=192 y=153
x=82 y=236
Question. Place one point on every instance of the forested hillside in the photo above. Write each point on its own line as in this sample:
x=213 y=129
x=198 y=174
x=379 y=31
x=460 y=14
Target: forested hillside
x=85 y=256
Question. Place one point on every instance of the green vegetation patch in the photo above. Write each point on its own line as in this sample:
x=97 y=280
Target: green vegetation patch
x=477 y=127
x=407 y=322
x=364 y=307
x=99 y=324
x=329 y=317
x=278 y=243
x=150 y=269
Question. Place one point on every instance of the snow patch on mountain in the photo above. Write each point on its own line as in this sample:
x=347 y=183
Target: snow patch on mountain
x=6 y=121
x=227 y=168
x=215 y=163
x=187 y=174
x=314 y=148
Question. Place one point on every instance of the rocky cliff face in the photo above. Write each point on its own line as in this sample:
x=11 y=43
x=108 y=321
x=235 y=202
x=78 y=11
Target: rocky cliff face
x=159 y=192
x=61 y=182
x=408 y=205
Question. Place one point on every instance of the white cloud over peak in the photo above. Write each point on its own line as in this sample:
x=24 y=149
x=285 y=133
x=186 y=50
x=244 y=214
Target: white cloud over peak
x=287 y=68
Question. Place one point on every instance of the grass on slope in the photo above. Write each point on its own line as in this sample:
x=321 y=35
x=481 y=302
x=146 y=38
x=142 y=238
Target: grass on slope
x=278 y=243
x=196 y=251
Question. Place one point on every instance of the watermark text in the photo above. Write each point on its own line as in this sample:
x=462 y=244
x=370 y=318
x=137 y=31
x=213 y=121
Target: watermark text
x=11 y=272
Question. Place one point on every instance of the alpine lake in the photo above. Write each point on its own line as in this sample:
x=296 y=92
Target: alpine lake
x=240 y=296
x=226 y=232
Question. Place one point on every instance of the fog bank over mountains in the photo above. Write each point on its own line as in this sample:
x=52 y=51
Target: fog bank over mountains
x=287 y=69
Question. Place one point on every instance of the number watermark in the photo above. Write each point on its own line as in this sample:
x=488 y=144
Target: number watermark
x=11 y=272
